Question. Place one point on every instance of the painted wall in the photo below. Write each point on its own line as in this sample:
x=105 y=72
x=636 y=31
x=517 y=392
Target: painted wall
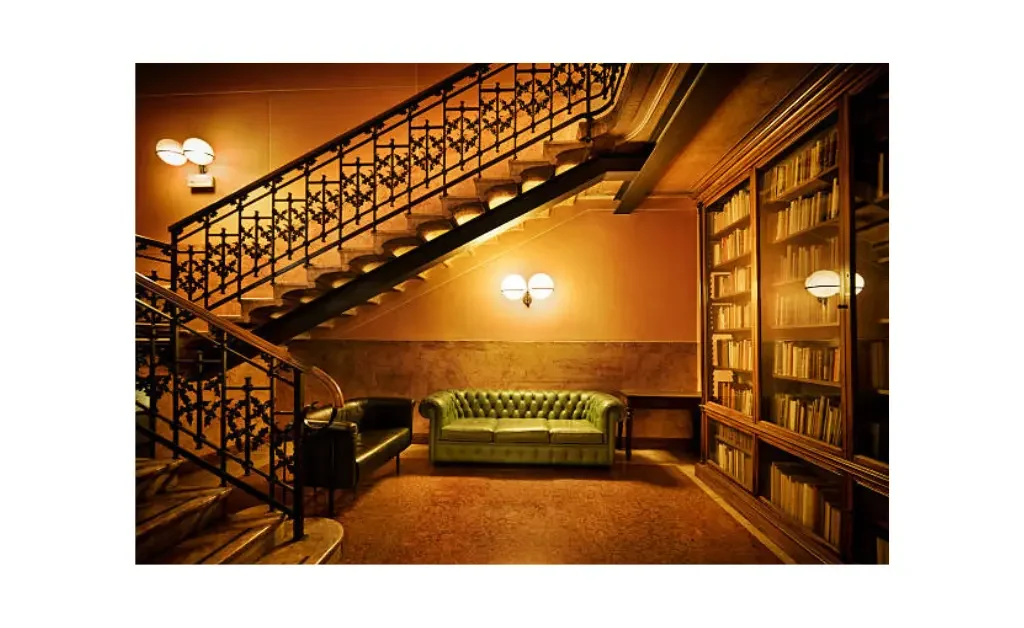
x=617 y=278
x=257 y=117
x=622 y=316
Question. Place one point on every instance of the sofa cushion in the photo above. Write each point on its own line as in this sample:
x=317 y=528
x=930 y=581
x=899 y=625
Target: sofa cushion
x=476 y=430
x=521 y=431
x=576 y=432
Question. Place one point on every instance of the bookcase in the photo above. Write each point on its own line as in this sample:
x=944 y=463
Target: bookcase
x=795 y=256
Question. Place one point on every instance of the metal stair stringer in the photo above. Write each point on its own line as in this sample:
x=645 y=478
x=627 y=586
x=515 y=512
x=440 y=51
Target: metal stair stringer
x=620 y=164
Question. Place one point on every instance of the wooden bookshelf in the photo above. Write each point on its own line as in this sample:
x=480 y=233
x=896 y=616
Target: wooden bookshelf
x=836 y=126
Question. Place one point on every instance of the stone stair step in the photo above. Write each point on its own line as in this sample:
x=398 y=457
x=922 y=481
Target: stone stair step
x=154 y=475
x=172 y=516
x=241 y=538
x=321 y=545
x=516 y=167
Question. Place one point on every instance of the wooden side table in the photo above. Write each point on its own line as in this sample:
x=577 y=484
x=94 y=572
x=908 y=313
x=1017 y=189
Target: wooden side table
x=657 y=400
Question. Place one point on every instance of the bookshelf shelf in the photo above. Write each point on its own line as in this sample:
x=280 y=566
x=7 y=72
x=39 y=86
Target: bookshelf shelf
x=814 y=382
x=724 y=231
x=815 y=231
x=837 y=430
x=736 y=261
x=733 y=296
x=821 y=181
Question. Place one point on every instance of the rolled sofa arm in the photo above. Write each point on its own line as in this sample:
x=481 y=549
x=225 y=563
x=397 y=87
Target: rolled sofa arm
x=439 y=408
x=320 y=418
x=605 y=411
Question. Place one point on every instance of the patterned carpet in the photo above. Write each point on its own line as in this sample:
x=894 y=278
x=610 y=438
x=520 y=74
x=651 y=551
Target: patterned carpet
x=632 y=514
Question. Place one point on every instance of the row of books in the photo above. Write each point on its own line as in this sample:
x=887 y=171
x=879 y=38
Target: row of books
x=738 y=354
x=807 y=498
x=799 y=261
x=736 y=244
x=882 y=551
x=734 y=437
x=738 y=397
x=879 y=356
x=815 y=416
x=725 y=283
x=734 y=462
x=806 y=212
x=791 y=359
x=735 y=209
x=801 y=309
x=732 y=316
x=809 y=161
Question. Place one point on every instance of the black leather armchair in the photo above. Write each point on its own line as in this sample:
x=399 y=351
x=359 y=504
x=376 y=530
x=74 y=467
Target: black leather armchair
x=367 y=433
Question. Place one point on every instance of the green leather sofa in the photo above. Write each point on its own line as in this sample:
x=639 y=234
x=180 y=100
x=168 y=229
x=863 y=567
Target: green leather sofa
x=522 y=426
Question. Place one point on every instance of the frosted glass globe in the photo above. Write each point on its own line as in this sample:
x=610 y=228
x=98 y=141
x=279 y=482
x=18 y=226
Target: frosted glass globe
x=541 y=286
x=513 y=287
x=823 y=283
x=170 y=152
x=197 y=151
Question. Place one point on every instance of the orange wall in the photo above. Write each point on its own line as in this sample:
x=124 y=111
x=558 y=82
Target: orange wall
x=617 y=278
x=257 y=117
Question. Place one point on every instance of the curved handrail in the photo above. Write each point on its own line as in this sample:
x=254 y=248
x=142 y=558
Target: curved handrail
x=278 y=352
x=399 y=109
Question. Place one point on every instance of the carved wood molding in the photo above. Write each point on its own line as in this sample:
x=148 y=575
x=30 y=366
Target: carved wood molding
x=812 y=100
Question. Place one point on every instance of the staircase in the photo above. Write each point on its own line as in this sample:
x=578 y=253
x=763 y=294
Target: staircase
x=182 y=516
x=373 y=213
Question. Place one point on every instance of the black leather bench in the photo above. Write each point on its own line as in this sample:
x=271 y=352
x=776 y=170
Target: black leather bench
x=367 y=433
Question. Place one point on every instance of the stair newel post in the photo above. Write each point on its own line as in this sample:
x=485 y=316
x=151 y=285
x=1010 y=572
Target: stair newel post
x=272 y=367
x=175 y=413
x=248 y=425
x=515 y=109
x=200 y=406
x=223 y=448
x=480 y=122
x=206 y=262
x=586 y=96
x=444 y=141
x=151 y=411
x=551 y=101
x=533 y=97
x=298 y=481
x=238 y=253
x=374 y=178
x=409 y=163
x=305 y=203
x=341 y=194
x=273 y=230
x=174 y=261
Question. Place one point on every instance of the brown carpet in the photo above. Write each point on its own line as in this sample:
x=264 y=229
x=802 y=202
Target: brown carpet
x=475 y=514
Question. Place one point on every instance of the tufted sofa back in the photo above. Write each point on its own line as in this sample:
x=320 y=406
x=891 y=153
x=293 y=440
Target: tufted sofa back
x=522 y=404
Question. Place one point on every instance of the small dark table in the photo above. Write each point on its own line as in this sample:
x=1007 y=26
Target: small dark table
x=660 y=400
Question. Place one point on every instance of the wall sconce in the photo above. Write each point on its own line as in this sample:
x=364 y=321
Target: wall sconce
x=825 y=283
x=540 y=287
x=193 y=149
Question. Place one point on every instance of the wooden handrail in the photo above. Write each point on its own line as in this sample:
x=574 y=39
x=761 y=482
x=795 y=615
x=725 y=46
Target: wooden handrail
x=153 y=242
x=337 y=398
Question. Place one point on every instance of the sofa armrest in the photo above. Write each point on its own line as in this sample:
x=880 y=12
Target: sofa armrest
x=439 y=408
x=320 y=418
x=604 y=412
x=380 y=413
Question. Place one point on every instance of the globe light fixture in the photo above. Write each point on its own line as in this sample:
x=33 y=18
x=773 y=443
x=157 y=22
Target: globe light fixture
x=822 y=283
x=858 y=284
x=541 y=286
x=514 y=287
x=198 y=152
x=170 y=152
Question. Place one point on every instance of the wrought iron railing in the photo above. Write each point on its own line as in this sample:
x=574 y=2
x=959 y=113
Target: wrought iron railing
x=448 y=133
x=249 y=417
x=153 y=258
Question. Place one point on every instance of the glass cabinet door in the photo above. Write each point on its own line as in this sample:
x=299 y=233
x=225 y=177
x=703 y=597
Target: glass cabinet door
x=732 y=451
x=869 y=132
x=730 y=317
x=800 y=261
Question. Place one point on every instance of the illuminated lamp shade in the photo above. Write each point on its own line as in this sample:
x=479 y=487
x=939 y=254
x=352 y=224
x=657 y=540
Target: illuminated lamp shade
x=858 y=284
x=197 y=151
x=170 y=152
x=541 y=286
x=823 y=283
x=513 y=287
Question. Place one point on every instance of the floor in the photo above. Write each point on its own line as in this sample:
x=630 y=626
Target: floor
x=647 y=511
